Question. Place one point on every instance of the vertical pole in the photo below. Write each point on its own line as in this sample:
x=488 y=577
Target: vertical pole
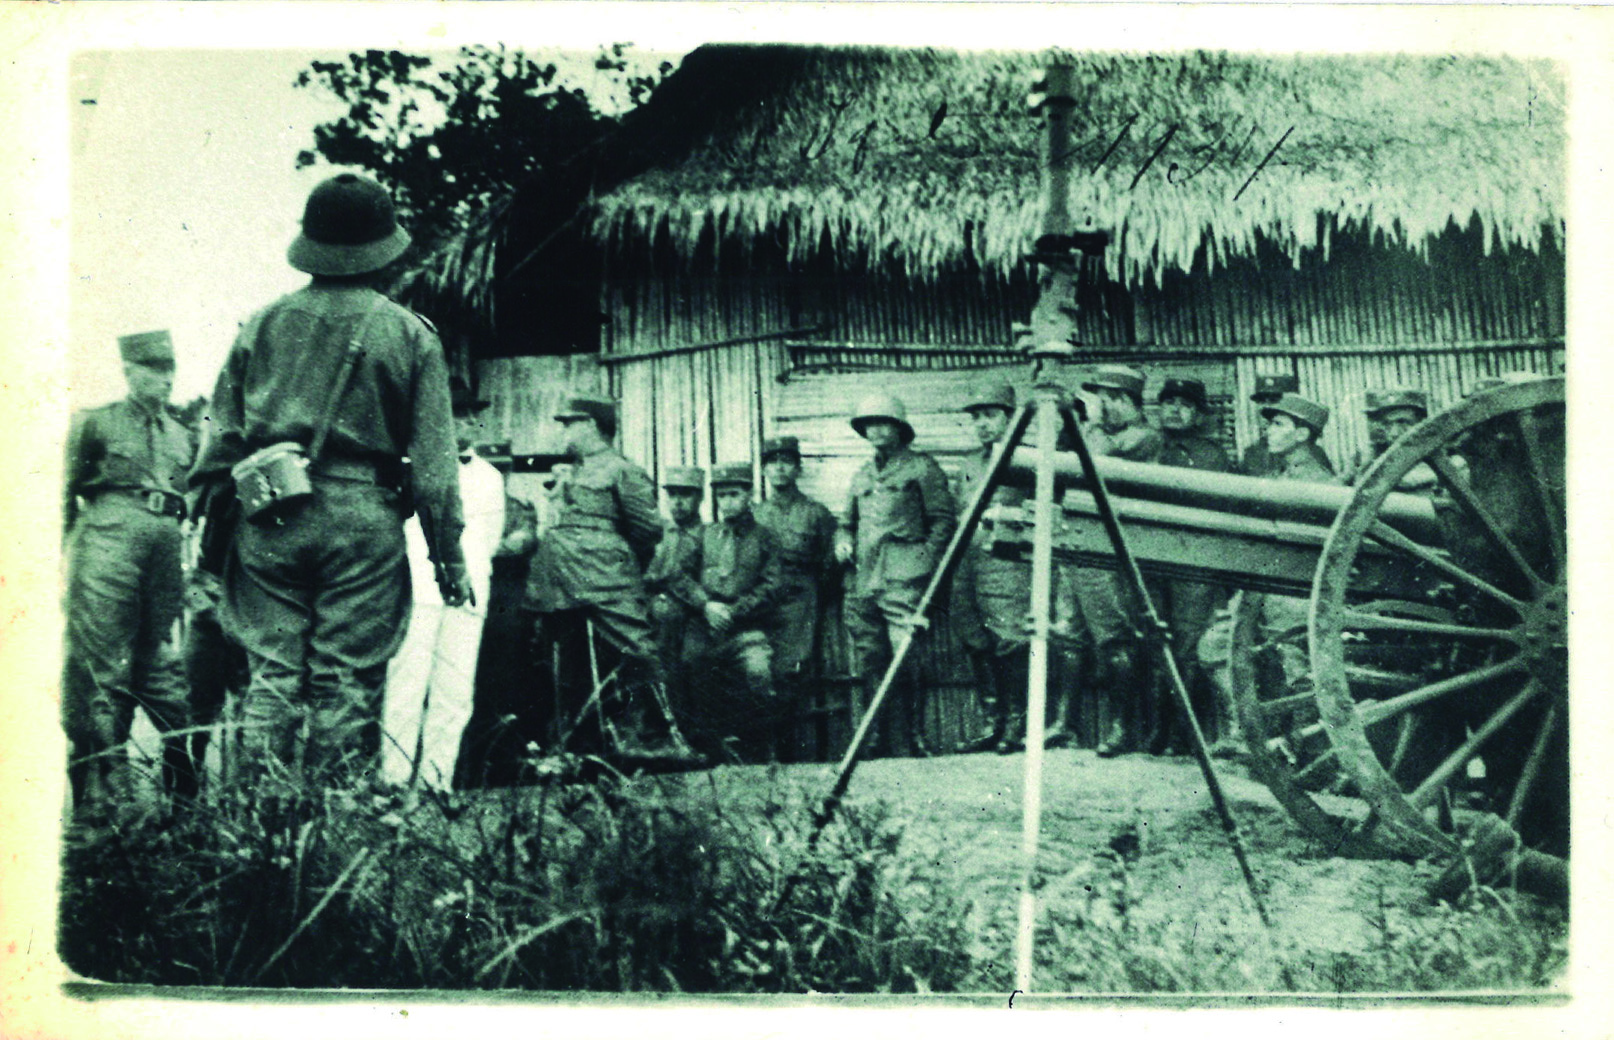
x=1042 y=568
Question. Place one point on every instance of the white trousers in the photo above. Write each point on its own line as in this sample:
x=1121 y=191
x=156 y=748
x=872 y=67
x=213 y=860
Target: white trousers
x=429 y=694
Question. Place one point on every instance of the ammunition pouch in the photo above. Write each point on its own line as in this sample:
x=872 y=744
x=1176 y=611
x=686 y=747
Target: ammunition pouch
x=271 y=482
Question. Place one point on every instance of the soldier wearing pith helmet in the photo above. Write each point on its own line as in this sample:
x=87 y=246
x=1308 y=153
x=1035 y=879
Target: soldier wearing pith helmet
x=587 y=584
x=126 y=466
x=899 y=517
x=323 y=396
x=805 y=532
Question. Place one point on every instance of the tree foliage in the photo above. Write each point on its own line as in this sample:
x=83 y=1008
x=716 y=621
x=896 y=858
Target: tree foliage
x=447 y=141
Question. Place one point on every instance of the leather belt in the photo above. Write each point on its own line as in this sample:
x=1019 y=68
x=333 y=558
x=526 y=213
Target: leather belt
x=359 y=470
x=586 y=523
x=159 y=503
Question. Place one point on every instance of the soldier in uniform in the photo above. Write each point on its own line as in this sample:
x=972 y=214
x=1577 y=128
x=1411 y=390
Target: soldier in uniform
x=1255 y=460
x=1390 y=413
x=317 y=589
x=731 y=582
x=804 y=531
x=680 y=540
x=1111 y=619
x=899 y=518
x=587 y=580
x=1188 y=606
x=126 y=465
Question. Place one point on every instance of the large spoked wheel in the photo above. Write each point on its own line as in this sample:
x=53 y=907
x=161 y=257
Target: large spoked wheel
x=1291 y=751
x=1474 y=713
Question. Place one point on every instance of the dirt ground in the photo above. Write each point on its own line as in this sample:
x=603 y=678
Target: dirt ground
x=1134 y=867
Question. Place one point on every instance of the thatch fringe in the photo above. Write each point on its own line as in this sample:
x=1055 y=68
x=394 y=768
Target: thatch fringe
x=852 y=146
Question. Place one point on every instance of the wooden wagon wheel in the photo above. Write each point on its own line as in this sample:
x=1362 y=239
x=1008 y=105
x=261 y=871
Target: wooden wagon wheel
x=1290 y=749
x=1484 y=723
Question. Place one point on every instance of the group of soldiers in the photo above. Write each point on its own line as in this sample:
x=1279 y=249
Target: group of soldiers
x=351 y=636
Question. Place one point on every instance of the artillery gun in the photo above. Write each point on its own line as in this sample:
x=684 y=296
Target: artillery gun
x=1428 y=673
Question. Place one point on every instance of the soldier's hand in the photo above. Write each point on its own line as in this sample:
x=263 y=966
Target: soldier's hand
x=720 y=616
x=455 y=585
x=843 y=550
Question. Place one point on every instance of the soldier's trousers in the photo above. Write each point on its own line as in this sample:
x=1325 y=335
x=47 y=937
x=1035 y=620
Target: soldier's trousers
x=624 y=643
x=124 y=594
x=320 y=602
x=430 y=689
x=731 y=691
x=875 y=623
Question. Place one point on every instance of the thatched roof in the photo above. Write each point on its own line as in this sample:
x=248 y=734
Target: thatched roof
x=921 y=159
x=852 y=147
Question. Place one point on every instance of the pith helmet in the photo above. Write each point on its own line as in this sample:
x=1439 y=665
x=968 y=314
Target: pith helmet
x=153 y=349
x=785 y=445
x=684 y=478
x=731 y=474
x=587 y=406
x=1300 y=409
x=1269 y=388
x=882 y=406
x=1115 y=377
x=996 y=395
x=1383 y=400
x=349 y=227
x=1190 y=390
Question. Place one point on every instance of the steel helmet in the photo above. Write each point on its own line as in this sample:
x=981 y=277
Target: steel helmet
x=882 y=406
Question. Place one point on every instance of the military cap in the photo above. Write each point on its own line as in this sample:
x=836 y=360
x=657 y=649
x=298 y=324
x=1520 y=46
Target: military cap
x=1115 y=377
x=993 y=395
x=1377 y=401
x=587 y=406
x=349 y=227
x=731 y=474
x=685 y=478
x=1301 y=409
x=785 y=445
x=1269 y=388
x=155 y=349
x=882 y=406
x=1190 y=390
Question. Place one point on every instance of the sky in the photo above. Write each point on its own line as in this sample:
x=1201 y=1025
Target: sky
x=185 y=195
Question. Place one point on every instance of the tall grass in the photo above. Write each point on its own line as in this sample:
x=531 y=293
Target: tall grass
x=567 y=885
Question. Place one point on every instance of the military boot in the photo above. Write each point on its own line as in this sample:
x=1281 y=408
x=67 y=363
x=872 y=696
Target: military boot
x=1118 y=677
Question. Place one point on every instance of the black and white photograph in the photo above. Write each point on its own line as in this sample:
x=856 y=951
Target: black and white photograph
x=967 y=506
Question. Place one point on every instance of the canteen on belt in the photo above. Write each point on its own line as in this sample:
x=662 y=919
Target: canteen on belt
x=270 y=480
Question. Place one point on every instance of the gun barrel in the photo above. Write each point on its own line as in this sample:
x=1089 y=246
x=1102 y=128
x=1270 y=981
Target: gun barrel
x=1286 y=500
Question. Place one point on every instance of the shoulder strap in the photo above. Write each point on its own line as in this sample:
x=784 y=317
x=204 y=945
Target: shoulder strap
x=350 y=360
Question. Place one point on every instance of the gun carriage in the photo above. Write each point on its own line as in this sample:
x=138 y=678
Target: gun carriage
x=1425 y=670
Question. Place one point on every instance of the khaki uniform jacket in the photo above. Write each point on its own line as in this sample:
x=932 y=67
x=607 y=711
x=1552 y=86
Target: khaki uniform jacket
x=280 y=372
x=1194 y=451
x=601 y=538
x=123 y=447
x=901 y=516
x=735 y=561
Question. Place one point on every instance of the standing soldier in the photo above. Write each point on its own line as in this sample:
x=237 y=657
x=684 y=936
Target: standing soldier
x=587 y=580
x=899 y=518
x=431 y=682
x=1188 y=606
x=731 y=582
x=126 y=465
x=680 y=540
x=323 y=396
x=804 y=531
x=1111 y=618
x=1256 y=460
x=1390 y=413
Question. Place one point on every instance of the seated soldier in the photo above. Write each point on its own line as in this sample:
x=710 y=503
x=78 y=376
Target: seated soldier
x=731 y=582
